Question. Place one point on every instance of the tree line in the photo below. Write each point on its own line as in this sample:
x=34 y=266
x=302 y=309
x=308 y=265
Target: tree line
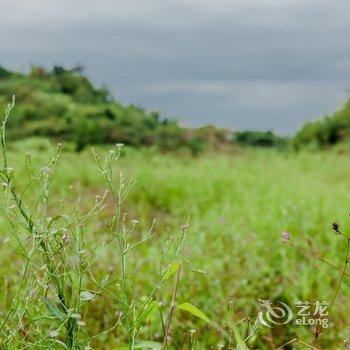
x=62 y=103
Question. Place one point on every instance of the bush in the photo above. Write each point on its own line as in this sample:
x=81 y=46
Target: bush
x=258 y=139
x=326 y=131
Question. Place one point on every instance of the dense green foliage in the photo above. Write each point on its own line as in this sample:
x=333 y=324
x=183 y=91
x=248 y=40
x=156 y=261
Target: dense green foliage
x=64 y=104
x=325 y=131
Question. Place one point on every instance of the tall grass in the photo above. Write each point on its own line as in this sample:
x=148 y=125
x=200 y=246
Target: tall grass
x=240 y=203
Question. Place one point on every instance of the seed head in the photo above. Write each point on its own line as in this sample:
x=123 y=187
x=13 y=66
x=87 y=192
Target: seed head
x=46 y=170
x=53 y=333
x=65 y=238
x=336 y=228
x=87 y=296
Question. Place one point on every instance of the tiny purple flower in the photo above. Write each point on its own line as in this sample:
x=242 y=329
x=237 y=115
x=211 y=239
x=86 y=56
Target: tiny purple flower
x=285 y=237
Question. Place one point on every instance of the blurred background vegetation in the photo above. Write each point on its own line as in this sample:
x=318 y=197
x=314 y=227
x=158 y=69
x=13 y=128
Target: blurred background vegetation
x=325 y=131
x=64 y=104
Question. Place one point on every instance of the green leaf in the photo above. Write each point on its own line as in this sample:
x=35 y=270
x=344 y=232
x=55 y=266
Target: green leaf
x=194 y=311
x=53 y=220
x=147 y=314
x=240 y=342
x=171 y=270
x=153 y=306
x=53 y=310
x=143 y=345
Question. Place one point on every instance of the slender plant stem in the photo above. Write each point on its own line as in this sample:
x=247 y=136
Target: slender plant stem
x=171 y=310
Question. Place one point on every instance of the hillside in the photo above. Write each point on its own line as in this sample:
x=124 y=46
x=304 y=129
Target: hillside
x=64 y=104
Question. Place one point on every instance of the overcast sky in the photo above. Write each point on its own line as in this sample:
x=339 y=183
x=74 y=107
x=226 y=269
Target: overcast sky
x=268 y=64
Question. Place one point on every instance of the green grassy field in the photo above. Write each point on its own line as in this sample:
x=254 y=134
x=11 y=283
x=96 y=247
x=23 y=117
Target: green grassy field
x=237 y=206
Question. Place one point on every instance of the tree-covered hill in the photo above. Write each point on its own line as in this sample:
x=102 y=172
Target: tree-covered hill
x=64 y=104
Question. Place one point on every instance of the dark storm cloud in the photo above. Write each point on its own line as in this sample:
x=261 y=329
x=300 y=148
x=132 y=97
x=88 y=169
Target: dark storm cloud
x=239 y=64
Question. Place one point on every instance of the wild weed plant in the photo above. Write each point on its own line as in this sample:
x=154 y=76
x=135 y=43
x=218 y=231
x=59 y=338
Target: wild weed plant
x=311 y=253
x=56 y=286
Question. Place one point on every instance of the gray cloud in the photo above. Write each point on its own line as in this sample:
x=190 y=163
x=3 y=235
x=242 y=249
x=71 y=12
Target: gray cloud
x=234 y=63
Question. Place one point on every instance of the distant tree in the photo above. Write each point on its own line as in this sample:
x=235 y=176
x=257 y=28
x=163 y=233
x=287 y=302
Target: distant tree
x=325 y=131
x=4 y=73
x=258 y=138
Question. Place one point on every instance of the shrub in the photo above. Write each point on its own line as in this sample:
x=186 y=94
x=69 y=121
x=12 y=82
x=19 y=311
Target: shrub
x=258 y=138
x=326 y=131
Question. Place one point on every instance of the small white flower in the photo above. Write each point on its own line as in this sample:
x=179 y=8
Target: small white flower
x=46 y=170
x=87 y=296
x=53 y=333
x=81 y=323
x=119 y=314
x=76 y=315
